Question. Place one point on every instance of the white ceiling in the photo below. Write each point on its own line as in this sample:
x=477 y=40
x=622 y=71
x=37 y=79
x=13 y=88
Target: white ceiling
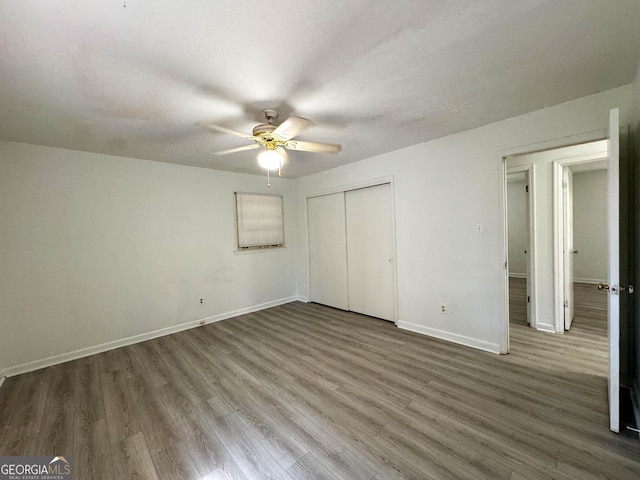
x=134 y=77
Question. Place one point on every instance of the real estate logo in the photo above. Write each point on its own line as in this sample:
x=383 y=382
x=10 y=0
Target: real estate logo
x=35 y=468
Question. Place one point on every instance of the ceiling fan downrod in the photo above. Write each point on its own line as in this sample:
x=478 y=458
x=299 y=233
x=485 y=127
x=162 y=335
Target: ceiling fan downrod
x=270 y=115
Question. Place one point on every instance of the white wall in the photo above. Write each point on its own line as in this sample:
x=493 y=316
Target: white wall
x=517 y=222
x=443 y=188
x=590 y=226
x=96 y=249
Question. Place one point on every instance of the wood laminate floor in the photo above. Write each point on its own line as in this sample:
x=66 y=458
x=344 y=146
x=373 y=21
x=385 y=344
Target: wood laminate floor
x=518 y=301
x=303 y=391
x=590 y=308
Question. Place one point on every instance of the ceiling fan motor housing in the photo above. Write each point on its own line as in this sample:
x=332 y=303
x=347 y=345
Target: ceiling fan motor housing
x=263 y=129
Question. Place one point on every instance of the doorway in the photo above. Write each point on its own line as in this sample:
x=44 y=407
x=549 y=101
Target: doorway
x=592 y=233
x=584 y=242
x=608 y=153
x=519 y=244
x=549 y=264
x=545 y=177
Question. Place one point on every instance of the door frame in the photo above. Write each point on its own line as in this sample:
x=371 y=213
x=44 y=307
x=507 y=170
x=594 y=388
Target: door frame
x=567 y=256
x=529 y=169
x=342 y=188
x=558 y=226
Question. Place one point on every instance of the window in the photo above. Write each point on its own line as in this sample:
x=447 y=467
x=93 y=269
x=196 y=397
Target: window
x=259 y=220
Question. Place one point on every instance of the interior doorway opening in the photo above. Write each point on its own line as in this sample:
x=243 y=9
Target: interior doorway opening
x=555 y=251
x=519 y=245
x=584 y=242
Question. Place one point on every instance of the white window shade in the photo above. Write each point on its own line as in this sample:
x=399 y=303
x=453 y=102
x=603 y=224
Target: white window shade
x=260 y=220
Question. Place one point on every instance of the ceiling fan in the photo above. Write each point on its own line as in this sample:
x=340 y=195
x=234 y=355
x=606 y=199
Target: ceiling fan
x=274 y=137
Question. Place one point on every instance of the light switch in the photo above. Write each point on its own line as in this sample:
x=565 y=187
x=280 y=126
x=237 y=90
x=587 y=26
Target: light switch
x=480 y=229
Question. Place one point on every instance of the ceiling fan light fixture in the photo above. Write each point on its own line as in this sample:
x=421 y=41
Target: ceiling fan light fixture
x=270 y=159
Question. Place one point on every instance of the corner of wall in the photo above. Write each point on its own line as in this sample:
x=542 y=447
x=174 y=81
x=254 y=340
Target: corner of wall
x=546 y=327
x=302 y=291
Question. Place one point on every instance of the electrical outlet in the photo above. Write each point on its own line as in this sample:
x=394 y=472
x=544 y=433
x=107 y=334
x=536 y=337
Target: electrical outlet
x=202 y=301
x=443 y=308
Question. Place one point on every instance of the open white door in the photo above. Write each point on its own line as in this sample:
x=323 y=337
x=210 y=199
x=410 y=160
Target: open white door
x=613 y=198
x=567 y=205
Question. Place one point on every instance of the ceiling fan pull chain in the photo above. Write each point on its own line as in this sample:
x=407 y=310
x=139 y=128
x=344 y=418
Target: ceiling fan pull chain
x=268 y=179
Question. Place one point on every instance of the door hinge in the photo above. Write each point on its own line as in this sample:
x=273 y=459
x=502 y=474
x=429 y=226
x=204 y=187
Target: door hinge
x=565 y=184
x=528 y=299
x=526 y=188
x=566 y=304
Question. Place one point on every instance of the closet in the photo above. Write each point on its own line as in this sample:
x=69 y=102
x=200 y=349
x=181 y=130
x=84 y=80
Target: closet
x=351 y=251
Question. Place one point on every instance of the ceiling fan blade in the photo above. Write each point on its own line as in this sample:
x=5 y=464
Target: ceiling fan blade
x=285 y=156
x=312 y=147
x=219 y=128
x=238 y=149
x=292 y=127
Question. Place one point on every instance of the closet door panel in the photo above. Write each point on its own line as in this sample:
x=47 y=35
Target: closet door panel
x=370 y=253
x=328 y=251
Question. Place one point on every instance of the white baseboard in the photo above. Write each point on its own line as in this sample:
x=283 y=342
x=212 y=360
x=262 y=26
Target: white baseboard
x=450 y=337
x=546 y=327
x=243 y=311
x=300 y=298
x=518 y=275
x=85 y=352
x=588 y=280
x=2 y=378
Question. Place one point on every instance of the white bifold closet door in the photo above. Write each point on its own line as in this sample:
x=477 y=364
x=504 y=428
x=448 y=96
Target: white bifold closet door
x=351 y=251
x=370 y=251
x=328 y=251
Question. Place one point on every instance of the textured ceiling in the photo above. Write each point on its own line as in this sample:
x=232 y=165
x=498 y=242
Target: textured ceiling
x=134 y=77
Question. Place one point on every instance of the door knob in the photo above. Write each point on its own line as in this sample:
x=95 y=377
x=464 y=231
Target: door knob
x=603 y=286
x=628 y=288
